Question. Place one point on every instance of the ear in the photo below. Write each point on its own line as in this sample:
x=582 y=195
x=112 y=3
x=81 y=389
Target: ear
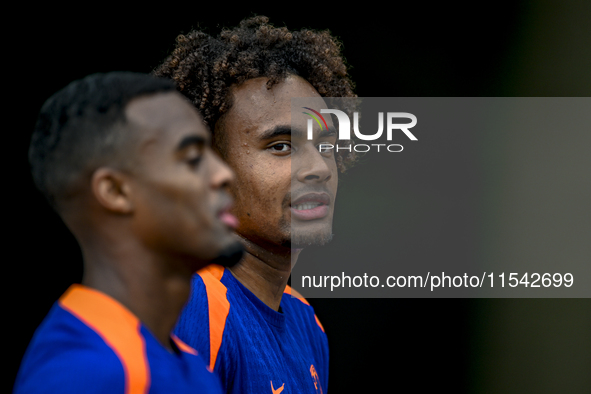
x=112 y=190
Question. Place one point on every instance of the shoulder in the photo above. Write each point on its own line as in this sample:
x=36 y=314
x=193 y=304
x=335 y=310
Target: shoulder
x=206 y=285
x=203 y=320
x=209 y=281
x=295 y=304
x=65 y=356
x=73 y=372
x=208 y=297
x=294 y=294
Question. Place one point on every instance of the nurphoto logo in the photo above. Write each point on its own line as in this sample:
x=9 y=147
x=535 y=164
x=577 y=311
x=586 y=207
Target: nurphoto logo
x=344 y=132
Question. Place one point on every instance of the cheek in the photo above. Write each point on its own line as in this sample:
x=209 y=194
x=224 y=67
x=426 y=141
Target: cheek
x=178 y=205
x=261 y=188
x=334 y=181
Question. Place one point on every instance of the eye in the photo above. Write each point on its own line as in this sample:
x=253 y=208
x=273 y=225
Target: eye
x=192 y=155
x=194 y=161
x=326 y=151
x=282 y=147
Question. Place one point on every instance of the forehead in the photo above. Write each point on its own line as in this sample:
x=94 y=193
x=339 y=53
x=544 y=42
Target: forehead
x=164 y=116
x=255 y=107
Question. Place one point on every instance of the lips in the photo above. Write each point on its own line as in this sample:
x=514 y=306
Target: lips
x=227 y=218
x=311 y=206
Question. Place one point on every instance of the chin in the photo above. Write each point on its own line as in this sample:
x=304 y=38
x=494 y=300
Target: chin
x=301 y=239
x=230 y=255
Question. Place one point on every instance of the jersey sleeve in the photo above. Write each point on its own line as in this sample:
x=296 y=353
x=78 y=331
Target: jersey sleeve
x=71 y=372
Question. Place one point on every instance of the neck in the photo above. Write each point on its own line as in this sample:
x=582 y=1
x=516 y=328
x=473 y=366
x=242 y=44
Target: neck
x=265 y=273
x=146 y=284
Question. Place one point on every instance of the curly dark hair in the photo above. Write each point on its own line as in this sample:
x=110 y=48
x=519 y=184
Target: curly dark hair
x=205 y=67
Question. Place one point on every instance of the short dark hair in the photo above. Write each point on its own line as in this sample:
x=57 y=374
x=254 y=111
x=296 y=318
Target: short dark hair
x=82 y=127
x=205 y=67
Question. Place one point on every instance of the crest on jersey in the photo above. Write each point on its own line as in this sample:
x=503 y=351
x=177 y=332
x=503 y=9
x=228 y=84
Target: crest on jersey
x=316 y=379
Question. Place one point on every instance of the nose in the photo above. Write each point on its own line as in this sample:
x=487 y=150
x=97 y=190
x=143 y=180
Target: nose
x=311 y=167
x=222 y=175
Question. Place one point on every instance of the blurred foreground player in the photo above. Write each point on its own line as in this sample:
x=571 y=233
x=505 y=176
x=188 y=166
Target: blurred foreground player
x=126 y=162
x=259 y=339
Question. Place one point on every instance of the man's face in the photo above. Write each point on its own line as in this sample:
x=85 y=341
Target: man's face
x=178 y=184
x=285 y=188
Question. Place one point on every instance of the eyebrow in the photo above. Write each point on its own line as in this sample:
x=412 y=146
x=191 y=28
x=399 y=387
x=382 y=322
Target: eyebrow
x=191 y=140
x=328 y=133
x=296 y=133
x=277 y=131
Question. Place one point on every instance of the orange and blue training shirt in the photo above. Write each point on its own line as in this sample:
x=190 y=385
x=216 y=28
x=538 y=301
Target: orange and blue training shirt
x=251 y=347
x=90 y=343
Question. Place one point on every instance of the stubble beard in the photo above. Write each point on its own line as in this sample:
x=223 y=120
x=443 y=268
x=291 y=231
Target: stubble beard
x=299 y=239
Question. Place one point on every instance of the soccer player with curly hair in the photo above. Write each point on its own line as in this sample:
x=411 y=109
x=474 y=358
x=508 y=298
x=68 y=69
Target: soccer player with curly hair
x=258 y=336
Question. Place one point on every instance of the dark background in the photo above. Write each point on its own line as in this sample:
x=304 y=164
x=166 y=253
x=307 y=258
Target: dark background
x=507 y=48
